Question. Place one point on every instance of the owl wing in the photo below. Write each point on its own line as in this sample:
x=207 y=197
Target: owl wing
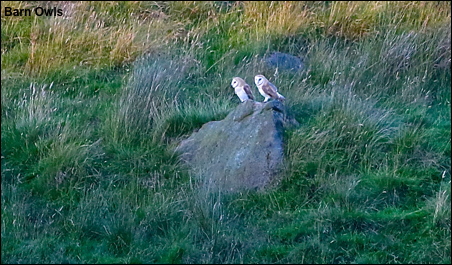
x=270 y=90
x=247 y=89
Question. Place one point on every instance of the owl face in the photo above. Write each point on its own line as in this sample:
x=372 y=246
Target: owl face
x=260 y=80
x=237 y=81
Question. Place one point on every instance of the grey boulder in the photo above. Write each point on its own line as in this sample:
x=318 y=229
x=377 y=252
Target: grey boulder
x=244 y=151
x=284 y=61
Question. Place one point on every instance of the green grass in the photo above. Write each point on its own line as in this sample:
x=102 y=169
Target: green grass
x=94 y=103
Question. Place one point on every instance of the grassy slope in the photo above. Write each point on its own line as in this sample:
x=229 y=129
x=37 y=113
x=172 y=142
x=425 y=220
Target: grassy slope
x=88 y=125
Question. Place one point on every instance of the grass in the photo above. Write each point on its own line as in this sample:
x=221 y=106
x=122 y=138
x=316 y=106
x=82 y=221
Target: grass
x=94 y=102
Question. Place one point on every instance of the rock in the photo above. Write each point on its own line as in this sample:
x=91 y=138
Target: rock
x=244 y=151
x=284 y=61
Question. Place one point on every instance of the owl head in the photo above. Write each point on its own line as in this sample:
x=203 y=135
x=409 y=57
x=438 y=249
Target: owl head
x=237 y=81
x=260 y=80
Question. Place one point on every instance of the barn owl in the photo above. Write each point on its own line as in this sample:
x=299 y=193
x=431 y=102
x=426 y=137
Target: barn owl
x=267 y=89
x=242 y=89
